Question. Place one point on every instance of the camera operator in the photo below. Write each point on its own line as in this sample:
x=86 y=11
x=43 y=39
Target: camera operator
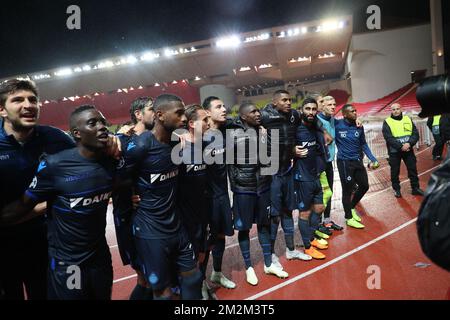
x=433 y=222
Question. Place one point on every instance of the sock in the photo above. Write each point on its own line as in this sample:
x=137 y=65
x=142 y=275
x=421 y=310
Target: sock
x=138 y=293
x=148 y=295
x=217 y=253
x=314 y=220
x=287 y=224
x=162 y=298
x=305 y=232
x=274 y=222
x=204 y=264
x=191 y=286
x=244 y=244
x=264 y=240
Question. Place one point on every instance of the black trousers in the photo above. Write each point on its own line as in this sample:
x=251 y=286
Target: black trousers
x=330 y=177
x=409 y=159
x=352 y=172
x=24 y=260
x=438 y=147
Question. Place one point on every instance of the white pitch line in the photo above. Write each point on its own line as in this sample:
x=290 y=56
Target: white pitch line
x=329 y=263
x=125 y=278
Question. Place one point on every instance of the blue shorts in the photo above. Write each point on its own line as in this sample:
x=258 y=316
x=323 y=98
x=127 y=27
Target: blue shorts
x=95 y=280
x=163 y=259
x=308 y=193
x=282 y=199
x=221 y=216
x=249 y=209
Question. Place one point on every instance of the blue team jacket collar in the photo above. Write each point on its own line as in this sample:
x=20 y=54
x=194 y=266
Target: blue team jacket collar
x=4 y=134
x=348 y=123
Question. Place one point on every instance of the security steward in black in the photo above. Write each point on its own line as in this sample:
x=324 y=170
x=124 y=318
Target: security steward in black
x=401 y=135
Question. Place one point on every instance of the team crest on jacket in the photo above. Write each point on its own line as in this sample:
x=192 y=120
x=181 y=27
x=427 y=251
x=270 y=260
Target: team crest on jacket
x=121 y=163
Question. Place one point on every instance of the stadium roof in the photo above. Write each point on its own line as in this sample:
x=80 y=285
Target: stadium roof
x=302 y=51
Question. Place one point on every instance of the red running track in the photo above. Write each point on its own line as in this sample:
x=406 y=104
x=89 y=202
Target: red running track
x=387 y=246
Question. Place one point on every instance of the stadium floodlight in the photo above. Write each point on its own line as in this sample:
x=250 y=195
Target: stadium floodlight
x=41 y=76
x=170 y=52
x=174 y=82
x=259 y=37
x=300 y=59
x=264 y=36
x=149 y=56
x=293 y=32
x=105 y=64
x=282 y=34
x=326 y=55
x=65 y=99
x=131 y=88
x=64 y=72
x=197 y=78
x=86 y=68
x=265 y=66
x=304 y=30
x=229 y=42
x=193 y=49
x=157 y=84
x=46 y=102
x=130 y=59
x=341 y=24
x=330 y=26
x=243 y=69
x=140 y=87
x=77 y=69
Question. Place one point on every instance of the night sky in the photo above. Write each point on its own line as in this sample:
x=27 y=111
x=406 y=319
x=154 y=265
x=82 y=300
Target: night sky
x=34 y=35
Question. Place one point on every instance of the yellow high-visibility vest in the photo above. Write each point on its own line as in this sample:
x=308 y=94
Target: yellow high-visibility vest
x=435 y=125
x=436 y=120
x=401 y=129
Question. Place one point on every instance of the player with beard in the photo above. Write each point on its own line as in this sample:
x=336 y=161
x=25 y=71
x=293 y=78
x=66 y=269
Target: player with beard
x=77 y=184
x=142 y=118
x=310 y=162
x=162 y=244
